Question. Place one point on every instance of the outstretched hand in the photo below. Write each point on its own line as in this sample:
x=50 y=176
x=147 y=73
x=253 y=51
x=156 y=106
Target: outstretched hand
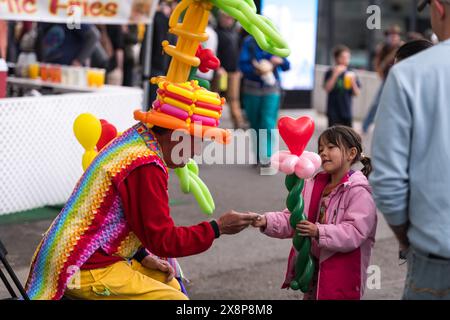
x=234 y=222
x=260 y=221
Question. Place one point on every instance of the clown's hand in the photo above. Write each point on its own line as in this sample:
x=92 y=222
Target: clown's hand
x=154 y=263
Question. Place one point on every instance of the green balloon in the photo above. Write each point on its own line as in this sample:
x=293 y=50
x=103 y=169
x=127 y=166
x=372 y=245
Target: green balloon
x=304 y=265
x=193 y=166
x=260 y=27
x=201 y=194
x=183 y=177
x=191 y=183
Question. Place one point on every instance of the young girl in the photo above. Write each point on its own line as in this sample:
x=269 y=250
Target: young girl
x=341 y=221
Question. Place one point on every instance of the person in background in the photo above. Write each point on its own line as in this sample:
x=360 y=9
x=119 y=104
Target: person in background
x=411 y=48
x=130 y=42
x=159 y=60
x=410 y=152
x=58 y=44
x=228 y=53
x=384 y=59
x=211 y=44
x=341 y=84
x=261 y=93
x=111 y=39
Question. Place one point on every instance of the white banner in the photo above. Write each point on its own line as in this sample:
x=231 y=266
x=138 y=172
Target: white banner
x=79 y=11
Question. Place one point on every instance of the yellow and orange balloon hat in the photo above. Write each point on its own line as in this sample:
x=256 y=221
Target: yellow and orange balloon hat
x=182 y=103
x=186 y=106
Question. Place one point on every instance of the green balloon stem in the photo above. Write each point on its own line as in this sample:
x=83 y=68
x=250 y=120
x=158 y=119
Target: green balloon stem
x=304 y=266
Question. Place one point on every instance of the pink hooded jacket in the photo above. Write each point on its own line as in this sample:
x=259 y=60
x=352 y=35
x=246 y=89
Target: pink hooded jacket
x=345 y=241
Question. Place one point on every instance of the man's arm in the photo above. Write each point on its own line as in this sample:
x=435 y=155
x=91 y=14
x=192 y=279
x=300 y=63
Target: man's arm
x=146 y=207
x=390 y=154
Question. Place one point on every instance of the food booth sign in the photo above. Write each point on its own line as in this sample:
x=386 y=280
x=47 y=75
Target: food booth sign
x=79 y=11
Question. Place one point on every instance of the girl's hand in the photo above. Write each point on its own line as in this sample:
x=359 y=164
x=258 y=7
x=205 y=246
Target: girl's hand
x=151 y=262
x=308 y=229
x=260 y=222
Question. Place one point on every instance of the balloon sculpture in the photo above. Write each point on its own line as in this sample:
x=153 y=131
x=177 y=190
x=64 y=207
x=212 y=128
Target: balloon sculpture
x=94 y=134
x=298 y=165
x=184 y=104
x=184 y=101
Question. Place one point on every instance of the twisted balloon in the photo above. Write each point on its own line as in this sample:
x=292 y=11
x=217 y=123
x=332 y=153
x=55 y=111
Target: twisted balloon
x=304 y=267
x=260 y=27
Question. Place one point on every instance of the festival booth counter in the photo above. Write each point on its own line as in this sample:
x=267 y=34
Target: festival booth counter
x=40 y=158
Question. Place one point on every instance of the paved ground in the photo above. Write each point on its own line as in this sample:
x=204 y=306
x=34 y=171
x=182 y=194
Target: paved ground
x=245 y=266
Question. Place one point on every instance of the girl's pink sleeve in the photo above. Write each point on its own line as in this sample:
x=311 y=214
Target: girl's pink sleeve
x=278 y=225
x=360 y=219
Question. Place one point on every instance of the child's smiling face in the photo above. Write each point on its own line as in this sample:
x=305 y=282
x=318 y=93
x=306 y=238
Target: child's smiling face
x=335 y=159
x=331 y=155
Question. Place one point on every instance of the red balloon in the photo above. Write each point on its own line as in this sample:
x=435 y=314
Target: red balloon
x=109 y=132
x=296 y=133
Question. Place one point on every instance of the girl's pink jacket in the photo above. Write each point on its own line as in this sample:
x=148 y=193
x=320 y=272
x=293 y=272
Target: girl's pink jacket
x=345 y=241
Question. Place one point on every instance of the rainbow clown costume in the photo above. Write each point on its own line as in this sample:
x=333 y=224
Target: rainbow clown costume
x=118 y=215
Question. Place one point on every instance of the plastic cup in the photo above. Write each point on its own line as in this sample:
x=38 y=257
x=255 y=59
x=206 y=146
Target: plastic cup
x=348 y=80
x=90 y=77
x=44 y=68
x=56 y=73
x=33 y=71
x=100 y=77
x=65 y=75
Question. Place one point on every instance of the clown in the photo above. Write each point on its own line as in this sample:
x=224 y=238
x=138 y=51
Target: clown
x=99 y=245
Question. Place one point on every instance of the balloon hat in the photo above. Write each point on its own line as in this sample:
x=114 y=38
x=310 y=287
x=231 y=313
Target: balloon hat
x=182 y=103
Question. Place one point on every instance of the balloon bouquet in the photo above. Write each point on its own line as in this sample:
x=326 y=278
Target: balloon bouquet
x=298 y=165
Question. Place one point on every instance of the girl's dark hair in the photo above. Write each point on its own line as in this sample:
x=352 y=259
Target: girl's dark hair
x=411 y=48
x=346 y=137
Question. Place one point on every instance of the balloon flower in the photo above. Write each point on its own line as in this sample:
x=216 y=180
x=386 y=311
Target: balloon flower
x=298 y=165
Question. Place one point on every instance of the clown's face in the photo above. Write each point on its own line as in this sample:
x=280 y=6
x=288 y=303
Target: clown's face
x=180 y=148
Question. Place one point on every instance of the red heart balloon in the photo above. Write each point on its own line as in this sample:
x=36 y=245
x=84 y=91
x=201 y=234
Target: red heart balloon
x=109 y=132
x=296 y=133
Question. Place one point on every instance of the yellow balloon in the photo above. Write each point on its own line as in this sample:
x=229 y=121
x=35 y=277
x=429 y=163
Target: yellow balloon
x=88 y=157
x=87 y=130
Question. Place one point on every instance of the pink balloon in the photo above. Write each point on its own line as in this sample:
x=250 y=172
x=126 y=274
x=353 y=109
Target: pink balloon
x=304 y=168
x=314 y=158
x=280 y=156
x=289 y=163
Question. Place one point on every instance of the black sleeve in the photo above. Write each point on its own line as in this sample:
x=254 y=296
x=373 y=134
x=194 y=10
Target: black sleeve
x=141 y=254
x=116 y=36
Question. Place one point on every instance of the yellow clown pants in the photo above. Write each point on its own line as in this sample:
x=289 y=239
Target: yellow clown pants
x=123 y=281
